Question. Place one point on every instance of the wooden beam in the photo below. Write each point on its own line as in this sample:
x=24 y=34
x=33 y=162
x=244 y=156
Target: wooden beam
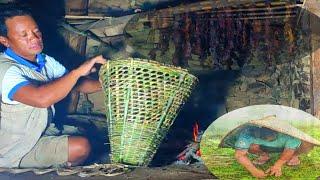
x=76 y=7
x=313 y=8
x=87 y=17
x=77 y=43
x=216 y=5
x=98 y=7
x=245 y=10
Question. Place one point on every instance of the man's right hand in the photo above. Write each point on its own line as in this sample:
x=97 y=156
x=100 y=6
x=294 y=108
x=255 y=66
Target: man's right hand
x=88 y=66
x=258 y=173
x=242 y=158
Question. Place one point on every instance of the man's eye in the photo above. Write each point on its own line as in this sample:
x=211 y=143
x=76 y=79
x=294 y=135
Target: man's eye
x=36 y=31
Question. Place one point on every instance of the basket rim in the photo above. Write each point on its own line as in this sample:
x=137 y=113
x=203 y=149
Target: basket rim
x=151 y=62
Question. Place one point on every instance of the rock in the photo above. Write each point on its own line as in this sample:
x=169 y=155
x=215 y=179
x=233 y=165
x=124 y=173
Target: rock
x=233 y=103
x=252 y=71
x=257 y=88
x=262 y=100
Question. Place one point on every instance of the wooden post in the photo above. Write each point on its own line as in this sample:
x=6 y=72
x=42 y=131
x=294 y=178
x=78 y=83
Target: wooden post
x=314 y=9
x=76 y=42
x=76 y=7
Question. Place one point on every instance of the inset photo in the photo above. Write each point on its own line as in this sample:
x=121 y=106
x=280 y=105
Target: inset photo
x=263 y=141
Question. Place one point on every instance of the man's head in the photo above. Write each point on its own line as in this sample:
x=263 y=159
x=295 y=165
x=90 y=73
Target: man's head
x=20 y=32
x=264 y=133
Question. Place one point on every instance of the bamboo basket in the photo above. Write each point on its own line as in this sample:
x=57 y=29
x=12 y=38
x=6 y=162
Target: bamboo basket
x=142 y=99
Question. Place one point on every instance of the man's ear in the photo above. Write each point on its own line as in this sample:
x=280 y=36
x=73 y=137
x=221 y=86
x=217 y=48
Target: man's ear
x=4 y=41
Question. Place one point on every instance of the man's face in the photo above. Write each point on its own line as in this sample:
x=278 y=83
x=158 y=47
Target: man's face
x=23 y=37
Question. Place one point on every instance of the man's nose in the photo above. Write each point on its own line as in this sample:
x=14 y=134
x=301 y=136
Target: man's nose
x=34 y=36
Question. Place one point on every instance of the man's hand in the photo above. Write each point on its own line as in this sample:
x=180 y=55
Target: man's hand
x=285 y=156
x=258 y=173
x=241 y=157
x=274 y=170
x=88 y=66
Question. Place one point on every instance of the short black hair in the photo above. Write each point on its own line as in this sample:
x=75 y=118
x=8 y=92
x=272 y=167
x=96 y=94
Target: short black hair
x=11 y=10
x=262 y=132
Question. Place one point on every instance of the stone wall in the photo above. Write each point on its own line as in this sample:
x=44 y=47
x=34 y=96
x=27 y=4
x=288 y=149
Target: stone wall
x=285 y=84
x=286 y=81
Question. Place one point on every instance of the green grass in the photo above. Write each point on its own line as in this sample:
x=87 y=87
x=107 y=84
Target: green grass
x=221 y=162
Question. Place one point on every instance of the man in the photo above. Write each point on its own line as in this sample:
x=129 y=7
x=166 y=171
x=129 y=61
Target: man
x=262 y=141
x=30 y=83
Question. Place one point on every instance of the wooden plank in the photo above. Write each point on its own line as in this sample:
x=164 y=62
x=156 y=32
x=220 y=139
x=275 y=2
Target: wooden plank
x=86 y=17
x=313 y=8
x=77 y=42
x=76 y=7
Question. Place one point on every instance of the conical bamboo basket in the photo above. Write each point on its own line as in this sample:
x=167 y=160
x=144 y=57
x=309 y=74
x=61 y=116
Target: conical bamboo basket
x=142 y=99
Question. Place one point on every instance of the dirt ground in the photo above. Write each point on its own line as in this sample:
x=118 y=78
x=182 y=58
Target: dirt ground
x=160 y=170
x=175 y=172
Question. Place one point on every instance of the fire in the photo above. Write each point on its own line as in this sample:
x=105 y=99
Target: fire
x=192 y=150
x=195 y=131
x=196 y=137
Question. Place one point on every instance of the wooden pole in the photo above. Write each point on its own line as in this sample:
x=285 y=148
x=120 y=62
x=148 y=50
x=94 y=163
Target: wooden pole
x=212 y=5
x=87 y=17
x=76 y=7
x=313 y=8
x=77 y=42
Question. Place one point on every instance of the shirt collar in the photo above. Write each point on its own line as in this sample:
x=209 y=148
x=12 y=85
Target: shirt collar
x=40 y=60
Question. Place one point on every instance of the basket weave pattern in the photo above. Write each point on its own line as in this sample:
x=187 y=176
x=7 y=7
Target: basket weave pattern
x=142 y=99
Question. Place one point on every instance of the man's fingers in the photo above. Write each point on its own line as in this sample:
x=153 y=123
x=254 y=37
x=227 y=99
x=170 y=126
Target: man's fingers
x=268 y=171
x=100 y=60
x=278 y=173
x=263 y=176
x=272 y=172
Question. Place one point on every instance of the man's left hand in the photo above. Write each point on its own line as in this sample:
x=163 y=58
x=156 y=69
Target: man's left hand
x=274 y=170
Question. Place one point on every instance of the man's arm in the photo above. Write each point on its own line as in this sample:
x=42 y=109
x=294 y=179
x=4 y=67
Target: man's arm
x=88 y=86
x=241 y=157
x=46 y=95
x=285 y=156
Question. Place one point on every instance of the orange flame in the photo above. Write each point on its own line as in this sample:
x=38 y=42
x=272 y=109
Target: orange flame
x=195 y=136
x=195 y=132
